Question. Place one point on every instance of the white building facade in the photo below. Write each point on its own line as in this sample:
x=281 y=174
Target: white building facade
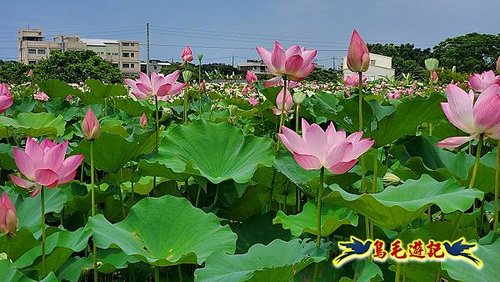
x=380 y=67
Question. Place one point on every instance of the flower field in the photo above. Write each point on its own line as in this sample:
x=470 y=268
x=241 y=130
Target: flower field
x=168 y=178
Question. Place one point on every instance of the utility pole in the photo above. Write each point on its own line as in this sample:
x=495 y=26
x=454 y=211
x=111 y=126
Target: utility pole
x=147 y=50
x=232 y=60
x=333 y=63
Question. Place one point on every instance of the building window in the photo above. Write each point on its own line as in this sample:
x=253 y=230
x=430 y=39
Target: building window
x=31 y=51
x=31 y=62
x=125 y=66
x=132 y=55
x=125 y=44
x=372 y=62
x=115 y=65
x=41 y=51
x=132 y=66
x=125 y=55
x=116 y=54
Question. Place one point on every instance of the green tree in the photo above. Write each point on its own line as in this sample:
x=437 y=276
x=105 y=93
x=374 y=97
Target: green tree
x=321 y=75
x=406 y=58
x=473 y=52
x=222 y=70
x=13 y=72
x=76 y=67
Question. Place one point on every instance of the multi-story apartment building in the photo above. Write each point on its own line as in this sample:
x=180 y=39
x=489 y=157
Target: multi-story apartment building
x=124 y=54
x=380 y=67
x=257 y=66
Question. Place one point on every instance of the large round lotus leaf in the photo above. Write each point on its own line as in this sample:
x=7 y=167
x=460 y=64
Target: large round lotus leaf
x=165 y=231
x=8 y=272
x=464 y=271
x=399 y=205
x=278 y=261
x=332 y=217
x=217 y=152
x=34 y=124
x=113 y=151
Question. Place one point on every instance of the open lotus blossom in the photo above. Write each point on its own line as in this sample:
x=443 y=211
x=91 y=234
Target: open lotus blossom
x=5 y=98
x=481 y=117
x=353 y=80
x=90 y=126
x=159 y=85
x=143 y=122
x=251 y=77
x=41 y=96
x=187 y=54
x=44 y=164
x=479 y=82
x=279 y=103
x=278 y=81
x=296 y=62
x=331 y=149
x=8 y=217
x=358 y=56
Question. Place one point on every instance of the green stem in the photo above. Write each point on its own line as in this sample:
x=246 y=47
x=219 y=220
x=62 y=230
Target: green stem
x=318 y=210
x=157 y=137
x=132 y=196
x=157 y=274
x=198 y=196
x=201 y=93
x=398 y=272
x=179 y=270
x=216 y=195
x=42 y=203
x=297 y=118
x=497 y=188
x=362 y=158
x=186 y=100
x=92 y=187
x=9 y=242
x=282 y=115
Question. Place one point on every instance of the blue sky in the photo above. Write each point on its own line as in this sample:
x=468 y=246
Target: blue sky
x=220 y=29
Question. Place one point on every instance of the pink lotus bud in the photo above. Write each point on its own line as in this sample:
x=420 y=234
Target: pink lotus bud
x=253 y=101
x=203 y=86
x=287 y=107
x=251 y=77
x=187 y=54
x=244 y=91
x=143 y=122
x=8 y=217
x=434 y=76
x=358 y=56
x=90 y=126
x=30 y=73
x=5 y=98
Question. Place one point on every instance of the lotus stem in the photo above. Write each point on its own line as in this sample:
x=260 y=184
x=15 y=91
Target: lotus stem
x=42 y=204
x=362 y=158
x=297 y=109
x=92 y=187
x=282 y=115
x=198 y=196
x=157 y=274
x=398 y=272
x=186 y=100
x=199 y=84
x=318 y=210
x=179 y=270
x=497 y=188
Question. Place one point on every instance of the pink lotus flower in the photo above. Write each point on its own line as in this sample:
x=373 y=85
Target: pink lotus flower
x=30 y=73
x=187 y=54
x=44 y=164
x=330 y=149
x=8 y=217
x=159 y=85
x=41 y=96
x=394 y=95
x=479 y=82
x=251 y=77
x=278 y=81
x=353 y=80
x=358 y=56
x=90 y=126
x=70 y=99
x=6 y=99
x=279 y=103
x=253 y=101
x=296 y=62
x=143 y=122
x=481 y=117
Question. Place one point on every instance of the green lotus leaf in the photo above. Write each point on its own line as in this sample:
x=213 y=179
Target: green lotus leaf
x=464 y=271
x=57 y=89
x=28 y=209
x=277 y=261
x=8 y=272
x=217 y=152
x=397 y=206
x=332 y=217
x=404 y=121
x=181 y=233
x=34 y=124
x=112 y=151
